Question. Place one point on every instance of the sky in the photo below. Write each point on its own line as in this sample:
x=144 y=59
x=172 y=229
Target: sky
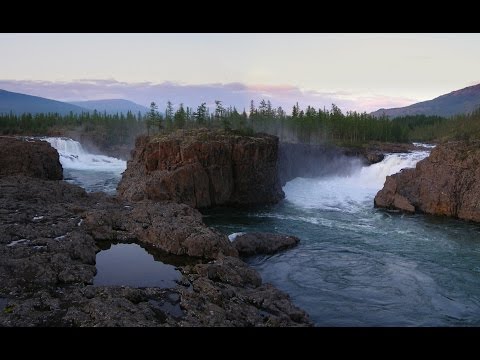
x=360 y=72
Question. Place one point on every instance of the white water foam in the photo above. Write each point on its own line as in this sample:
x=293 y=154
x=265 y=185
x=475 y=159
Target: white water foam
x=348 y=193
x=74 y=156
x=428 y=146
x=233 y=236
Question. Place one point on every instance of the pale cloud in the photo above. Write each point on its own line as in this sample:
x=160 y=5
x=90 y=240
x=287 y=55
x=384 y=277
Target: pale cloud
x=378 y=101
x=231 y=94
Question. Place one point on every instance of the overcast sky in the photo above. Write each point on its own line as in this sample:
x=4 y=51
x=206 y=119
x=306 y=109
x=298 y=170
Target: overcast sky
x=355 y=71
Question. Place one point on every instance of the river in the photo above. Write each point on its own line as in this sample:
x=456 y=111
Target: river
x=355 y=265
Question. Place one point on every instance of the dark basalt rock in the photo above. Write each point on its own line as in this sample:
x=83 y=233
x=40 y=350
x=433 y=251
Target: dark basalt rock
x=263 y=243
x=28 y=157
x=48 y=234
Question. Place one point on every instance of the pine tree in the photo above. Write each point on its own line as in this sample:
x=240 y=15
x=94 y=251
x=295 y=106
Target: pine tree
x=295 y=110
x=201 y=114
x=252 y=109
x=263 y=107
x=269 y=108
x=219 y=110
x=180 y=118
x=169 y=115
x=152 y=116
x=169 y=110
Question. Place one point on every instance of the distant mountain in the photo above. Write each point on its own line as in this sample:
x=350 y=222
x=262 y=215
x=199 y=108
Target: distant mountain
x=112 y=106
x=21 y=103
x=457 y=102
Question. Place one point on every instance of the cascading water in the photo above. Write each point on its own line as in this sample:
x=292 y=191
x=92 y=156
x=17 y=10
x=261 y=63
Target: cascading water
x=91 y=171
x=360 y=266
x=348 y=193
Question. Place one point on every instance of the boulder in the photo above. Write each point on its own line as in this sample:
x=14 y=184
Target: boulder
x=255 y=243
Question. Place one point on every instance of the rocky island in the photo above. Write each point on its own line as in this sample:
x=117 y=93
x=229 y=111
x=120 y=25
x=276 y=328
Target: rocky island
x=204 y=168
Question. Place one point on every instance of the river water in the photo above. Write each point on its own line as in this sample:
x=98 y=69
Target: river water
x=360 y=266
x=355 y=265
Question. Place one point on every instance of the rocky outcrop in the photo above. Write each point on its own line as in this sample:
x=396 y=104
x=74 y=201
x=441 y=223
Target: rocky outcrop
x=445 y=183
x=256 y=243
x=390 y=199
x=35 y=158
x=203 y=168
x=174 y=228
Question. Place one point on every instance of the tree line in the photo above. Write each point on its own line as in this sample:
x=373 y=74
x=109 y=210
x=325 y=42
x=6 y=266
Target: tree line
x=435 y=128
x=309 y=125
x=320 y=126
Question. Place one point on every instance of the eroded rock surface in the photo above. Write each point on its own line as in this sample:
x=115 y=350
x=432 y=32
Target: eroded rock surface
x=203 y=168
x=445 y=183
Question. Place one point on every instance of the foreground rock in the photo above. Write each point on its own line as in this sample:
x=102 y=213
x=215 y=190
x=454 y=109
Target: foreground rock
x=229 y=293
x=203 y=168
x=445 y=183
x=256 y=243
x=20 y=156
x=49 y=231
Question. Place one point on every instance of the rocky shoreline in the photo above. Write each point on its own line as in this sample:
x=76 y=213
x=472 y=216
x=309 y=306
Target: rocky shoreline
x=445 y=183
x=50 y=234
